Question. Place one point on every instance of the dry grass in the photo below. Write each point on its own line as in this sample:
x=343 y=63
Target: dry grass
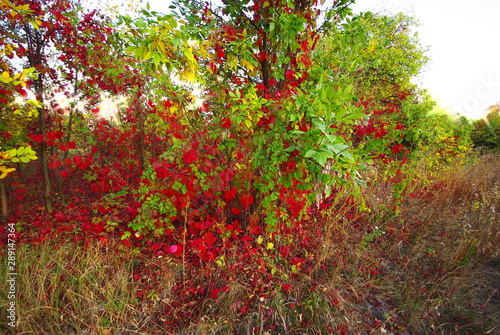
x=433 y=268
x=70 y=289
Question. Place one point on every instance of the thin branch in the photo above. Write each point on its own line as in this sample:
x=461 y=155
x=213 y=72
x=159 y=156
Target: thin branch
x=333 y=16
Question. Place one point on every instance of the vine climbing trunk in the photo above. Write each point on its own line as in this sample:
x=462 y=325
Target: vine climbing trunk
x=36 y=46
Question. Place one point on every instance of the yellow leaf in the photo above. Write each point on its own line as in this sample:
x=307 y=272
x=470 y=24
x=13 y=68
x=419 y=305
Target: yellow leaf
x=189 y=76
x=5 y=171
x=248 y=66
x=233 y=62
x=173 y=109
x=36 y=23
x=9 y=49
x=7 y=3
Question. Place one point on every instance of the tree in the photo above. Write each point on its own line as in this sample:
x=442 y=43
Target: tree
x=379 y=56
x=13 y=114
x=486 y=132
x=51 y=37
x=273 y=127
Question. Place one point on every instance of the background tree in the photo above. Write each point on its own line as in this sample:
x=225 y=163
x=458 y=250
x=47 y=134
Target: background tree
x=53 y=38
x=15 y=109
x=486 y=132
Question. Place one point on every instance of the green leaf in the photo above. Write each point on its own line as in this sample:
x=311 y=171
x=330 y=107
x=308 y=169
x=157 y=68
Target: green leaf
x=347 y=155
x=12 y=152
x=320 y=124
x=338 y=148
x=310 y=153
x=126 y=235
x=292 y=148
x=322 y=157
x=354 y=115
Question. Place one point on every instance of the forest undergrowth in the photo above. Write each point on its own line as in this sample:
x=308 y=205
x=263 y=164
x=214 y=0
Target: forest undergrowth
x=431 y=267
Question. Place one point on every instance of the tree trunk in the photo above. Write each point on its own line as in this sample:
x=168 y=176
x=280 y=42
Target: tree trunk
x=44 y=160
x=3 y=194
x=36 y=46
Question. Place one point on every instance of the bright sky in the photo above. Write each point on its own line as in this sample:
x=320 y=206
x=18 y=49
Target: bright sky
x=464 y=41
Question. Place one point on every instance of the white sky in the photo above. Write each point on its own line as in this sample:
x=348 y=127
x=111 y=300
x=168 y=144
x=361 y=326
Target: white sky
x=463 y=37
x=464 y=46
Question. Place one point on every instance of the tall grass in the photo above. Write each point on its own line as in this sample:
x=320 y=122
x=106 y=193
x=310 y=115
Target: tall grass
x=70 y=289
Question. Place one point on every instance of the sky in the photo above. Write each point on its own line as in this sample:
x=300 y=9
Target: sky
x=463 y=37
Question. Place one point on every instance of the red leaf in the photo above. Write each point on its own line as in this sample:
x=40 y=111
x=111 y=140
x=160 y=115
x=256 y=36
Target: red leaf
x=72 y=145
x=236 y=211
x=51 y=136
x=23 y=93
x=38 y=138
x=255 y=230
x=262 y=56
x=246 y=200
x=230 y=194
x=226 y=123
x=215 y=293
x=172 y=249
x=227 y=175
x=397 y=148
x=78 y=160
x=213 y=67
x=161 y=171
x=63 y=147
x=190 y=156
x=102 y=210
x=60 y=216
x=220 y=52
x=64 y=173
x=54 y=165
